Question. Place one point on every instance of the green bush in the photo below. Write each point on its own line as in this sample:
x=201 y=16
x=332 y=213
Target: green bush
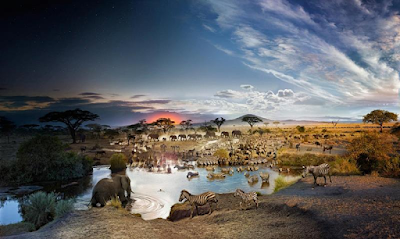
x=39 y=209
x=63 y=207
x=118 y=162
x=44 y=158
x=281 y=183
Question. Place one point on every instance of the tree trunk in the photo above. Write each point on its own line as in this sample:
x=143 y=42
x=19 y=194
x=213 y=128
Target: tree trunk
x=73 y=135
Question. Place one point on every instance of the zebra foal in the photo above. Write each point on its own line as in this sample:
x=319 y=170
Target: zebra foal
x=198 y=200
x=318 y=171
x=246 y=197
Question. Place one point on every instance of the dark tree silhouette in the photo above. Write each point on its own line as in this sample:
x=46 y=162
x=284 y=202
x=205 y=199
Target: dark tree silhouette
x=6 y=127
x=251 y=120
x=219 y=122
x=186 y=124
x=73 y=119
x=207 y=127
x=165 y=124
x=380 y=117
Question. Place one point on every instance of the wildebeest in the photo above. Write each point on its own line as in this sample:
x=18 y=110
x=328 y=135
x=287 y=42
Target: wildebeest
x=100 y=152
x=192 y=174
x=153 y=137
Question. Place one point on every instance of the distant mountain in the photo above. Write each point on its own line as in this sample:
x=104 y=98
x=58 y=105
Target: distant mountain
x=239 y=121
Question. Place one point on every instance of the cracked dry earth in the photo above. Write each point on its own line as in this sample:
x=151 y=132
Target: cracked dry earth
x=350 y=207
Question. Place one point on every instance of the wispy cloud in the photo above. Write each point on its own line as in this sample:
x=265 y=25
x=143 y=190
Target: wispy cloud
x=343 y=52
x=207 y=27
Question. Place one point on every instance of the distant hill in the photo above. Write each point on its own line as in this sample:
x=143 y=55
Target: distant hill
x=239 y=121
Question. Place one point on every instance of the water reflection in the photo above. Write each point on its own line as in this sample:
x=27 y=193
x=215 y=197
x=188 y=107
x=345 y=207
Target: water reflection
x=154 y=193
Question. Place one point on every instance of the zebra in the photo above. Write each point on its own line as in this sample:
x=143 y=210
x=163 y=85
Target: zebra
x=318 y=171
x=246 y=197
x=198 y=200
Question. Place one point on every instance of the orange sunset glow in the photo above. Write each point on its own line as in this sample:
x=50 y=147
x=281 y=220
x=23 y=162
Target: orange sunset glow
x=173 y=116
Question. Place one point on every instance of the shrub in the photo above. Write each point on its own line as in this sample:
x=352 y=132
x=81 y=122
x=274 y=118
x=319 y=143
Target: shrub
x=222 y=153
x=372 y=151
x=391 y=167
x=305 y=159
x=281 y=182
x=63 y=207
x=39 y=209
x=115 y=202
x=44 y=158
x=118 y=162
x=344 y=166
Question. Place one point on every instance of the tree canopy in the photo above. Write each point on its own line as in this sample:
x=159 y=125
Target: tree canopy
x=252 y=120
x=218 y=122
x=73 y=119
x=380 y=117
x=165 y=124
x=186 y=124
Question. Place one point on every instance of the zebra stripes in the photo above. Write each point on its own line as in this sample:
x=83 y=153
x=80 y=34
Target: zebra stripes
x=318 y=171
x=246 y=197
x=198 y=200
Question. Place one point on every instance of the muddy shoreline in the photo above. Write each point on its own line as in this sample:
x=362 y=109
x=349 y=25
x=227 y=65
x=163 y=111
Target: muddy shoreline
x=351 y=207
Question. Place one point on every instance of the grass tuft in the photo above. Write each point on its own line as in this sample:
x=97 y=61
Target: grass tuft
x=281 y=183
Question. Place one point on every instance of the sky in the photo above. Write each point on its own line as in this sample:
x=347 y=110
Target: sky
x=199 y=59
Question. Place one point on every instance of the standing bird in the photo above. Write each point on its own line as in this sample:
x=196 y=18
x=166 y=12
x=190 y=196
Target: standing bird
x=198 y=200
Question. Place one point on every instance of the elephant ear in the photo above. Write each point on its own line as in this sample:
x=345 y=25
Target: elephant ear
x=125 y=184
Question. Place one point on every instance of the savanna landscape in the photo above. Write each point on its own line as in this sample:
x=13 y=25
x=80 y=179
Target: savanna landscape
x=200 y=119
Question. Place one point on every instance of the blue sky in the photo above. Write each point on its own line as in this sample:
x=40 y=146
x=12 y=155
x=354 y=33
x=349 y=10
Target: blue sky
x=125 y=60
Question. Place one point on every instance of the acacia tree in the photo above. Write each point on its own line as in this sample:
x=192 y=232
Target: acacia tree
x=73 y=119
x=186 y=124
x=251 y=120
x=165 y=124
x=207 y=127
x=276 y=123
x=95 y=128
x=6 y=127
x=218 y=122
x=380 y=117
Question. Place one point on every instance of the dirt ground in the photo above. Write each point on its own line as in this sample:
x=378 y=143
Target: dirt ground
x=351 y=207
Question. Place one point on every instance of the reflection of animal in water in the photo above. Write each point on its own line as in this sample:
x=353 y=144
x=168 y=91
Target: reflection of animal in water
x=298 y=147
x=163 y=147
x=192 y=174
x=330 y=147
x=198 y=200
x=247 y=198
x=318 y=171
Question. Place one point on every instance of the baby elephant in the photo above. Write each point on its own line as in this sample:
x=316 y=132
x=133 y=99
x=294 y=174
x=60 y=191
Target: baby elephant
x=107 y=188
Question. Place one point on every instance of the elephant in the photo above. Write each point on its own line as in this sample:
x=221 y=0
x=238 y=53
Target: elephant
x=107 y=188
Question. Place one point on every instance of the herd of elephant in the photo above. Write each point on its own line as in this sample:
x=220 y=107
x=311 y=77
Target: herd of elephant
x=183 y=137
